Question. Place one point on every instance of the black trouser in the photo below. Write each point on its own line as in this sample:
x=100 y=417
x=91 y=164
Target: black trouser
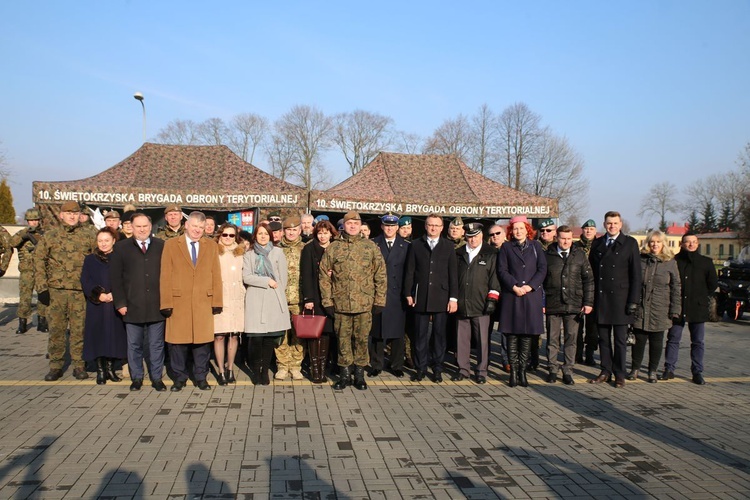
x=613 y=355
x=588 y=340
x=377 y=353
x=655 y=347
x=430 y=343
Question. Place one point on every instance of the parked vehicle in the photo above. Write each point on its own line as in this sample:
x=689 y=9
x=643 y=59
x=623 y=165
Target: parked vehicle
x=733 y=297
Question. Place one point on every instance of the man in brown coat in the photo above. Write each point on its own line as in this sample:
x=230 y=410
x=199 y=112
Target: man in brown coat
x=191 y=293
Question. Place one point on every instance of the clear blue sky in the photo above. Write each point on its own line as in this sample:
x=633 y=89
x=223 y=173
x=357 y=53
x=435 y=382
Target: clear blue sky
x=646 y=91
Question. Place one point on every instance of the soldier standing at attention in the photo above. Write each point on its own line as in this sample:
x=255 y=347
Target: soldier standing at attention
x=174 y=227
x=58 y=262
x=456 y=232
x=290 y=353
x=25 y=242
x=352 y=288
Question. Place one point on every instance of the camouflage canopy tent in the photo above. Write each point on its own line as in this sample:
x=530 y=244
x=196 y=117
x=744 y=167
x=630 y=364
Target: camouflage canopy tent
x=208 y=178
x=417 y=185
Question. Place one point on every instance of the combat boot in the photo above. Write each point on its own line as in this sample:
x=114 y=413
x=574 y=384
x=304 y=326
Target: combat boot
x=345 y=379
x=359 y=378
x=22 y=326
x=42 y=325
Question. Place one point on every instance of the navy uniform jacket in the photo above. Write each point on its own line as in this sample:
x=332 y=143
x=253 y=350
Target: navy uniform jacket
x=390 y=324
x=617 y=277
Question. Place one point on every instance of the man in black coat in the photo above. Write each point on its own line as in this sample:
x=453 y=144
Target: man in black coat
x=616 y=264
x=569 y=292
x=389 y=326
x=478 y=293
x=699 y=280
x=431 y=289
x=135 y=268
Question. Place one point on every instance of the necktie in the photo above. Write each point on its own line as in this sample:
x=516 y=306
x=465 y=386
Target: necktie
x=432 y=244
x=610 y=241
x=565 y=255
x=390 y=244
x=143 y=246
x=193 y=253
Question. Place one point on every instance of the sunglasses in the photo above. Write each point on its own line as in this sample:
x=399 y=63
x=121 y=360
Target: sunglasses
x=547 y=230
x=274 y=219
x=495 y=234
x=228 y=235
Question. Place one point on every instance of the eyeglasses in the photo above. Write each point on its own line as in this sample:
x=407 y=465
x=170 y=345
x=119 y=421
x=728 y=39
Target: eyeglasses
x=228 y=235
x=547 y=230
x=495 y=234
x=274 y=219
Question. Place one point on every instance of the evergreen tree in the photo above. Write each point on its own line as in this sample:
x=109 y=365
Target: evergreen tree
x=709 y=218
x=694 y=222
x=7 y=212
x=727 y=218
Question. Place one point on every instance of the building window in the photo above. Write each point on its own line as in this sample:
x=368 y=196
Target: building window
x=731 y=251
x=708 y=249
x=721 y=250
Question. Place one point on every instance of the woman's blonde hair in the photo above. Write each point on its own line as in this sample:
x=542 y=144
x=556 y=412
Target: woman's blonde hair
x=666 y=252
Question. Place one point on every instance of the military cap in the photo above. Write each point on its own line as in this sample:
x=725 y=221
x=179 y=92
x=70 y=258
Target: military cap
x=172 y=208
x=127 y=215
x=473 y=228
x=457 y=221
x=320 y=218
x=274 y=225
x=293 y=221
x=518 y=218
x=389 y=219
x=588 y=223
x=112 y=214
x=404 y=221
x=33 y=214
x=70 y=206
x=545 y=223
x=352 y=215
x=275 y=215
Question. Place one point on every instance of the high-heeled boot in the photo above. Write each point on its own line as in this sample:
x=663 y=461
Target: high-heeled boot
x=101 y=378
x=325 y=341
x=109 y=371
x=254 y=356
x=524 y=349
x=513 y=359
x=313 y=348
x=269 y=344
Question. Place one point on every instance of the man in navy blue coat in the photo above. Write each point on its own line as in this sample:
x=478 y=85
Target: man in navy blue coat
x=616 y=264
x=389 y=326
x=431 y=289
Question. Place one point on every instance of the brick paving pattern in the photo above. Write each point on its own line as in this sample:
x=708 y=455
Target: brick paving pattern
x=74 y=439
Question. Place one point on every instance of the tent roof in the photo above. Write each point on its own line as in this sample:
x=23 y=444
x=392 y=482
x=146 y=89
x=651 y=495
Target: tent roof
x=157 y=174
x=421 y=184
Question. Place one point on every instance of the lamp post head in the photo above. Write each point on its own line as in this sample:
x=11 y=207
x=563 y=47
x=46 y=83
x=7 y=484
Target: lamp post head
x=138 y=96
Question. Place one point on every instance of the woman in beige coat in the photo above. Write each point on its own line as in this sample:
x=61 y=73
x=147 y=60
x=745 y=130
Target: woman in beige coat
x=231 y=322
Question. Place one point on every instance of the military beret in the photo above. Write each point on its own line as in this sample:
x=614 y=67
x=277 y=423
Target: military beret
x=546 y=222
x=457 y=222
x=293 y=221
x=274 y=215
x=172 y=208
x=274 y=225
x=389 y=219
x=404 y=221
x=33 y=214
x=352 y=216
x=588 y=223
x=70 y=206
x=112 y=214
x=320 y=218
x=473 y=228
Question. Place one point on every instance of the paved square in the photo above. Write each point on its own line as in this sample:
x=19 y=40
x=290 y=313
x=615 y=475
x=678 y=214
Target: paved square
x=73 y=439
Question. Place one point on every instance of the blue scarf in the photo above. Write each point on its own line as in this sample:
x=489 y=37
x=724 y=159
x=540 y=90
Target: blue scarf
x=262 y=265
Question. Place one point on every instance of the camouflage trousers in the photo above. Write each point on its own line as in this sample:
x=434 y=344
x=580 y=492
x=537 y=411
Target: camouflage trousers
x=25 y=291
x=291 y=351
x=67 y=311
x=353 y=332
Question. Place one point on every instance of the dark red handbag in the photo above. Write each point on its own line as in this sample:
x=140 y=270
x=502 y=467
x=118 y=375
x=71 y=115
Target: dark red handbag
x=308 y=326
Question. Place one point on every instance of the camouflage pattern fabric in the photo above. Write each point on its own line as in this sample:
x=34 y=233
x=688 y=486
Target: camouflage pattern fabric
x=58 y=258
x=25 y=242
x=166 y=233
x=291 y=352
x=5 y=249
x=357 y=326
x=585 y=244
x=67 y=310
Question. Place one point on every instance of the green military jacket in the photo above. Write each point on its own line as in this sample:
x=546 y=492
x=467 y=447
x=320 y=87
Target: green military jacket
x=5 y=248
x=293 y=253
x=166 y=233
x=25 y=242
x=58 y=258
x=352 y=275
x=584 y=243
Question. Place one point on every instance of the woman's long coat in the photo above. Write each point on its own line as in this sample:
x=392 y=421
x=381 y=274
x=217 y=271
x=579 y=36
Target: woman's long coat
x=190 y=291
x=104 y=334
x=266 y=310
x=660 y=296
x=232 y=317
x=516 y=266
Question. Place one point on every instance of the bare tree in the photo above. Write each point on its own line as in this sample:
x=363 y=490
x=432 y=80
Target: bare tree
x=519 y=130
x=4 y=169
x=361 y=135
x=484 y=156
x=408 y=143
x=555 y=170
x=246 y=132
x=453 y=137
x=660 y=201
x=308 y=132
x=281 y=157
x=182 y=132
x=213 y=132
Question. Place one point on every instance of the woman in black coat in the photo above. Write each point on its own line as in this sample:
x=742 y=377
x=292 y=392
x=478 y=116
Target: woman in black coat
x=312 y=253
x=521 y=267
x=104 y=338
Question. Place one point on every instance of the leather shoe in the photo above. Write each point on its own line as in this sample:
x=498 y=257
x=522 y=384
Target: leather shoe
x=136 y=384
x=221 y=379
x=374 y=372
x=481 y=380
x=633 y=375
x=202 y=385
x=698 y=379
x=417 y=377
x=178 y=386
x=398 y=373
x=158 y=386
x=667 y=375
x=603 y=377
x=80 y=373
x=53 y=375
x=437 y=377
x=552 y=378
x=568 y=379
x=458 y=377
x=619 y=383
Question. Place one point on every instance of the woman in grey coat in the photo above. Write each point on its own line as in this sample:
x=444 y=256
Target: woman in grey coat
x=660 y=302
x=264 y=272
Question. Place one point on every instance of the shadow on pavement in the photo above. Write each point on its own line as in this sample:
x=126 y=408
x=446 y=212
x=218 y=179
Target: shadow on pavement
x=300 y=480
x=32 y=459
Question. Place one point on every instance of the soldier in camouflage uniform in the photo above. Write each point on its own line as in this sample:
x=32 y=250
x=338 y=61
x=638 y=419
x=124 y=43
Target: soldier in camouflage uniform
x=456 y=232
x=352 y=288
x=6 y=251
x=547 y=233
x=291 y=352
x=587 y=342
x=174 y=227
x=25 y=242
x=58 y=262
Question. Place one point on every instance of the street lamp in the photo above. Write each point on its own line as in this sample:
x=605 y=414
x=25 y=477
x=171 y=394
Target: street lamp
x=139 y=97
